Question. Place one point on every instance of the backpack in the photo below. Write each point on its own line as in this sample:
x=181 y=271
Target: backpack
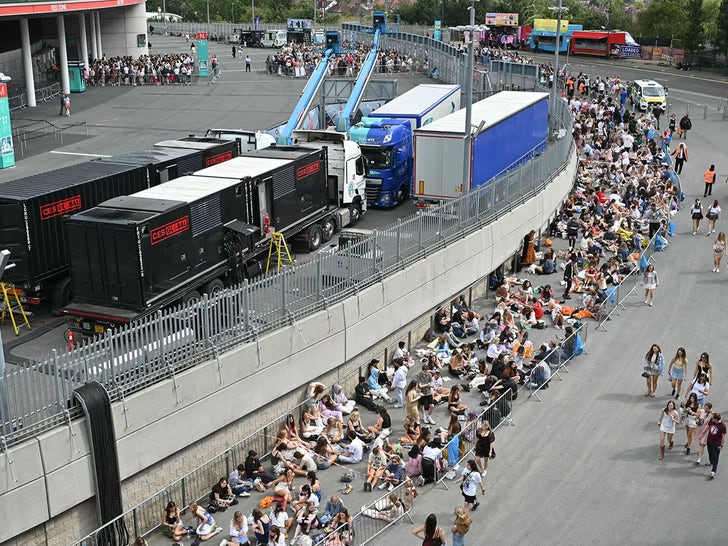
x=265 y=502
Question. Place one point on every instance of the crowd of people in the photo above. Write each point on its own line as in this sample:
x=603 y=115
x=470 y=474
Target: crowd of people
x=300 y=60
x=154 y=69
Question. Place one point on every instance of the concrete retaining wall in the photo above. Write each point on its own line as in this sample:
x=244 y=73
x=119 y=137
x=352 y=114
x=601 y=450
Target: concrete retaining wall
x=160 y=440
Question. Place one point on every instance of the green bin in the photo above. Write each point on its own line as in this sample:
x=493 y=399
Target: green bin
x=76 y=80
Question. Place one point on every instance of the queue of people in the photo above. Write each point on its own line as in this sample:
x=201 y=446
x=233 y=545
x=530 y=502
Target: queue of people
x=154 y=69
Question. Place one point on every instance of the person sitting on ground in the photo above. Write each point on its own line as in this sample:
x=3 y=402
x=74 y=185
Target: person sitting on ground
x=454 y=403
x=280 y=518
x=375 y=467
x=439 y=391
x=376 y=389
x=172 y=523
x=383 y=423
x=304 y=497
x=334 y=430
x=221 y=495
x=393 y=473
x=310 y=429
x=556 y=316
x=254 y=469
x=206 y=528
x=333 y=506
x=412 y=431
x=389 y=509
x=362 y=395
x=547 y=265
x=328 y=407
x=315 y=391
x=291 y=430
x=303 y=463
x=457 y=366
x=355 y=423
x=342 y=403
x=355 y=450
x=238 y=530
x=487 y=334
x=307 y=519
x=283 y=487
x=343 y=529
x=471 y=326
x=324 y=454
x=239 y=485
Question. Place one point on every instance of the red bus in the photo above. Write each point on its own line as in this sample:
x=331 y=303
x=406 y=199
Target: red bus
x=596 y=42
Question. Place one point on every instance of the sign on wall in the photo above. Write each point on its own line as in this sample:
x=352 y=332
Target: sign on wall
x=7 y=154
x=203 y=60
x=501 y=19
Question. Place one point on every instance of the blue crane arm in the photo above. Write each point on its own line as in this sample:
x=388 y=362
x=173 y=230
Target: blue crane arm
x=344 y=122
x=304 y=103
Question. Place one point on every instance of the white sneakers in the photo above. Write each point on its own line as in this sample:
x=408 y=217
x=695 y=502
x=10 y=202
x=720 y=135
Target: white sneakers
x=484 y=473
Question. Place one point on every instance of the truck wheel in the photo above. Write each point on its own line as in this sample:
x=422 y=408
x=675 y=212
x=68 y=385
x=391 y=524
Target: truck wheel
x=214 y=287
x=62 y=294
x=191 y=296
x=315 y=237
x=355 y=212
x=402 y=194
x=328 y=228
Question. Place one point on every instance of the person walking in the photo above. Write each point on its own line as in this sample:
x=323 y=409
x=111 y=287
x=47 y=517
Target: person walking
x=671 y=124
x=471 y=480
x=696 y=213
x=461 y=527
x=713 y=216
x=247 y=63
x=430 y=533
x=669 y=417
x=685 y=125
x=703 y=366
x=716 y=440
x=654 y=368
x=702 y=422
x=719 y=249
x=63 y=104
x=569 y=274
x=650 y=281
x=691 y=409
x=681 y=156
x=235 y=49
x=67 y=105
x=709 y=179
x=484 y=438
x=676 y=371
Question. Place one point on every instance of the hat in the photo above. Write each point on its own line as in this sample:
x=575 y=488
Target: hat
x=252 y=453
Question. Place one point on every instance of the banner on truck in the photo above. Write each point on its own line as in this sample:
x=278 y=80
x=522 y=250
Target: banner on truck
x=7 y=154
x=549 y=25
x=501 y=19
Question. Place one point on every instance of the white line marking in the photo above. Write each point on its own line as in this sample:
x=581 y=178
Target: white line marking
x=78 y=153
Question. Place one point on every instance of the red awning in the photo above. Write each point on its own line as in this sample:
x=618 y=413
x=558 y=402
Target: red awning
x=591 y=35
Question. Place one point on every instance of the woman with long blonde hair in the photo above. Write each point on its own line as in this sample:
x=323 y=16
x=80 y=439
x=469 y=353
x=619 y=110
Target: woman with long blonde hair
x=719 y=250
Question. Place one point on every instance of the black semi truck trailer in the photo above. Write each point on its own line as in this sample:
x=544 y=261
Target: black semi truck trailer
x=131 y=256
x=32 y=208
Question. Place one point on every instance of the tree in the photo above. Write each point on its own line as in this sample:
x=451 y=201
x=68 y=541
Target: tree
x=721 y=36
x=693 y=32
x=661 y=19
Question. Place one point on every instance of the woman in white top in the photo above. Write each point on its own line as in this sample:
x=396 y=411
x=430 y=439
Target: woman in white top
x=696 y=213
x=713 y=217
x=238 y=530
x=701 y=388
x=669 y=417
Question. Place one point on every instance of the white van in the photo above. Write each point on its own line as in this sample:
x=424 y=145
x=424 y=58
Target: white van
x=274 y=38
x=646 y=94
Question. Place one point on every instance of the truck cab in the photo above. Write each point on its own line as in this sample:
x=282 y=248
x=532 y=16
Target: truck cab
x=646 y=94
x=346 y=164
x=387 y=148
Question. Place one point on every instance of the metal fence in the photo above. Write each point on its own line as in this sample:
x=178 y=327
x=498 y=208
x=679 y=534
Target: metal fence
x=24 y=135
x=42 y=94
x=160 y=346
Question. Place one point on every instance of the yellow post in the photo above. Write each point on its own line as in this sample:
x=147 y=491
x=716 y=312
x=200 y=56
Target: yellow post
x=278 y=242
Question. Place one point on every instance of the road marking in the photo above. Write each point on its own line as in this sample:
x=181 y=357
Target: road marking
x=79 y=153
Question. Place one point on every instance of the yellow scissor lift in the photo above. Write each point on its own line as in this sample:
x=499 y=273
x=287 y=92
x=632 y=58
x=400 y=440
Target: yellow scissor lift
x=279 y=246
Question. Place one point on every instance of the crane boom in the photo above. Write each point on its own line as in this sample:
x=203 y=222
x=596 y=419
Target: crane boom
x=307 y=97
x=344 y=122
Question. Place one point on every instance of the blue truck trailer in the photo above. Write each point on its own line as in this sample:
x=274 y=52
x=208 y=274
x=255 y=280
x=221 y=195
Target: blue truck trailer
x=385 y=137
x=507 y=129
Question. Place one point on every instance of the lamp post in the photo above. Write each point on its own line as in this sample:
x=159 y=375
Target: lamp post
x=469 y=102
x=559 y=9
